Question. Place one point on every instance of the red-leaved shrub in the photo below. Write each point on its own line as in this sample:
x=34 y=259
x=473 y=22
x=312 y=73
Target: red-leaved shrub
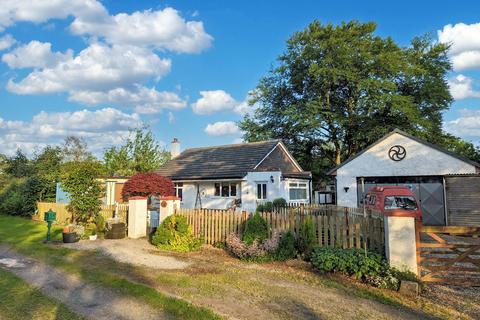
x=146 y=184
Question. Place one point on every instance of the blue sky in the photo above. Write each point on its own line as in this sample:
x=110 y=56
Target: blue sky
x=94 y=69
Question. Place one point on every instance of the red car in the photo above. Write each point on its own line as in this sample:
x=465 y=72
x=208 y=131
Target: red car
x=393 y=201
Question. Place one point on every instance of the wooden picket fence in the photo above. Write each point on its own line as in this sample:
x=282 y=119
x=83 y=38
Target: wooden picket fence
x=64 y=217
x=334 y=226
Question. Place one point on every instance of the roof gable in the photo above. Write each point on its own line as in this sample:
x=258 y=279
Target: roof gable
x=279 y=159
x=408 y=136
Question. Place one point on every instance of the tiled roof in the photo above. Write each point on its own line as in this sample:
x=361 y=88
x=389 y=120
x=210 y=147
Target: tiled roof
x=228 y=161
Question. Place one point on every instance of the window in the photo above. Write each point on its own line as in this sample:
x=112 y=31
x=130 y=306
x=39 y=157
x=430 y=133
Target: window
x=179 y=190
x=225 y=190
x=400 y=202
x=297 y=191
x=261 y=190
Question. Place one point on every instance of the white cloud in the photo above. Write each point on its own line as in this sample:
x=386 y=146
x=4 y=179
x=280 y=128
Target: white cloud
x=219 y=100
x=99 y=67
x=465 y=44
x=171 y=118
x=466 y=126
x=461 y=87
x=100 y=128
x=35 y=54
x=7 y=41
x=39 y=11
x=222 y=128
x=162 y=29
x=144 y=100
x=214 y=101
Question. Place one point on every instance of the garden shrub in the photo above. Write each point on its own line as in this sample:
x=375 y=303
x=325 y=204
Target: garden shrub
x=256 y=251
x=268 y=206
x=286 y=247
x=256 y=228
x=279 y=203
x=100 y=223
x=306 y=237
x=260 y=208
x=175 y=234
x=348 y=261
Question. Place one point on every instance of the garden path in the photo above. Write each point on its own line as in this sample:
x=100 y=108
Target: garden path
x=133 y=251
x=88 y=300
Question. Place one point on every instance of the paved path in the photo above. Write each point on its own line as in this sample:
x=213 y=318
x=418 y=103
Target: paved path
x=85 y=299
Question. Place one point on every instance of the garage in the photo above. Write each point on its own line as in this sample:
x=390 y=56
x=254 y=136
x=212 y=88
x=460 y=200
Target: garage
x=446 y=185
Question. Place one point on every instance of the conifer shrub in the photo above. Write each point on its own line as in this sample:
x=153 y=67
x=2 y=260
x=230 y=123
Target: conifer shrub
x=176 y=234
x=256 y=228
x=286 y=247
x=306 y=237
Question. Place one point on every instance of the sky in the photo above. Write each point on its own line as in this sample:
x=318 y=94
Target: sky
x=94 y=69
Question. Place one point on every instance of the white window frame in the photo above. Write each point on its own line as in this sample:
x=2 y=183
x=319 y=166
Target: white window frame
x=263 y=191
x=179 y=187
x=297 y=185
x=229 y=185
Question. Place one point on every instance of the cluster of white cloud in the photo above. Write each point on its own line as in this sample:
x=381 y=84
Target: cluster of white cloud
x=219 y=100
x=222 y=128
x=465 y=44
x=6 y=41
x=122 y=54
x=100 y=128
x=35 y=54
x=467 y=125
x=461 y=87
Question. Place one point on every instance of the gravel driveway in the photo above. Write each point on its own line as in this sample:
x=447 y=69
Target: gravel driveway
x=133 y=251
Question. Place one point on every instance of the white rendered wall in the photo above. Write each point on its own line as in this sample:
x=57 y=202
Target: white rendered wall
x=246 y=191
x=421 y=160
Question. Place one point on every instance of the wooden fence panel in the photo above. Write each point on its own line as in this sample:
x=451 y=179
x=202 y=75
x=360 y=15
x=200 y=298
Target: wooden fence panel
x=334 y=226
x=65 y=217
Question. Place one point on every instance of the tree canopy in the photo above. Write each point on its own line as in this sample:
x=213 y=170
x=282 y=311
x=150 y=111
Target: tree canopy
x=146 y=184
x=140 y=153
x=338 y=88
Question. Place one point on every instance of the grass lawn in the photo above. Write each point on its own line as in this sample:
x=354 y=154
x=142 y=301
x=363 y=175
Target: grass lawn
x=215 y=281
x=26 y=236
x=21 y=301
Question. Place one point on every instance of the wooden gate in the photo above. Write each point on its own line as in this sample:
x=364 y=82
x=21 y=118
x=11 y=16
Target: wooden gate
x=449 y=255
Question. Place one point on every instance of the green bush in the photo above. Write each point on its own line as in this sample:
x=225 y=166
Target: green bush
x=256 y=228
x=286 y=247
x=306 y=237
x=348 y=261
x=265 y=207
x=279 y=203
x=100 y=223
x=175 y=234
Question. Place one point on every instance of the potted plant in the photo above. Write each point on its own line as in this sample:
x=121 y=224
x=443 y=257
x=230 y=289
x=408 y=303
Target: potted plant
x=69 y=235
x=93 y=235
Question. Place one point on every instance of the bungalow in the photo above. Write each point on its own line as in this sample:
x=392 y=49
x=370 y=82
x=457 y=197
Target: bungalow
x=237 y=176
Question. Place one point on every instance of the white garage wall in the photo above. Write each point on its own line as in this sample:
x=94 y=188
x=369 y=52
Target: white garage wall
x=421 y=160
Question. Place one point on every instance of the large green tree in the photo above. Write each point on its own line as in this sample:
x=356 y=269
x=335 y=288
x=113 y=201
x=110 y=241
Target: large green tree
x=338 y=88
x=140 y=153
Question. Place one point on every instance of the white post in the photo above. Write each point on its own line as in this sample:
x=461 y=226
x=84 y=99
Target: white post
x=137 y=217
x=168 y=205
x=400 y=242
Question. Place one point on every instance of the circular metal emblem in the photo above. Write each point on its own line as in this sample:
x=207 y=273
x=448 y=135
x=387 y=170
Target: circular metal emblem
x=163 y=204
x=397 y=153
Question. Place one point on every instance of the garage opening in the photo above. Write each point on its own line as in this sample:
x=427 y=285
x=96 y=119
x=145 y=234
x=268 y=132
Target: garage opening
x=429 y=190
